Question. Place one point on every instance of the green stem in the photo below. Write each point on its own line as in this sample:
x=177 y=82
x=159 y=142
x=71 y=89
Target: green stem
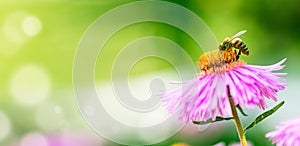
x=237 y=121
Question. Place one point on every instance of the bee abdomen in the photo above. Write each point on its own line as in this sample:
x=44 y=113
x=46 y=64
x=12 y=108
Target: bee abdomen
x=245 y=51
x=239 y=44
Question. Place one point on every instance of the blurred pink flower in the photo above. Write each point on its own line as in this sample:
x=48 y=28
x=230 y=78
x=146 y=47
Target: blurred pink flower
x=220 y=144
x=57 y=139
x=232 y=144
x=71 y=139
x=287 y=133
x=206 y=96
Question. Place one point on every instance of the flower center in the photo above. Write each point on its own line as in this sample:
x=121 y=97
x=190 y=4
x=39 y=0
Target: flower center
x=217 y=61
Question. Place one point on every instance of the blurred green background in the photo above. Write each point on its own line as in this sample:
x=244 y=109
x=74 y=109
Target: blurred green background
x=38 y=41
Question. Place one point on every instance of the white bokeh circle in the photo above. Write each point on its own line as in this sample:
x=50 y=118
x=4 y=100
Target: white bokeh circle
x=17 y=28
x=30 y=85
x=31 y=25
x=102 y=105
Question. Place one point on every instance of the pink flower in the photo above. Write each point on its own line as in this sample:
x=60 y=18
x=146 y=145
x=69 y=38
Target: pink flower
x=57 y=139
x=287 y=133
x=232 y=144
x=206 y=96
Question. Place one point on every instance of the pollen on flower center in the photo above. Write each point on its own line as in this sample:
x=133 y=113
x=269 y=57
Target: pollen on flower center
x=217 y=61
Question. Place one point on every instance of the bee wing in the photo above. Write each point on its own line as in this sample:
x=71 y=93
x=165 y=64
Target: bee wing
x=238 y=34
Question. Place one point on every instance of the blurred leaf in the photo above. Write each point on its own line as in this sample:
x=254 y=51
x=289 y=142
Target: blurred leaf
x=264 y=115
x=211 y=121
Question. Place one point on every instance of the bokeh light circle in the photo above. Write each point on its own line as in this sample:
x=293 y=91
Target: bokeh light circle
x=12 y=27
x=5 y=126
x=11 y=35
x=18 y=27
x=31 y=25
x=109 y=107
x=30 y=85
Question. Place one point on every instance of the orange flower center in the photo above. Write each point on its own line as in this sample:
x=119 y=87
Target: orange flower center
x=217 y=61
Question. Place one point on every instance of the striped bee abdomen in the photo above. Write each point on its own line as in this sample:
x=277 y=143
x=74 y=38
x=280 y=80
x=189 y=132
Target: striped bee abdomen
x=241 y=46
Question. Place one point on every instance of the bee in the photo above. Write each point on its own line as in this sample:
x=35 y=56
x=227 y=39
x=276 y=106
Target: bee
x=228 y=51
x=233 y=44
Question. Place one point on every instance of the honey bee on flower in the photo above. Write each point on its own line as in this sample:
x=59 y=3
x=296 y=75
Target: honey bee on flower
x=222 y=71
x=229 y=51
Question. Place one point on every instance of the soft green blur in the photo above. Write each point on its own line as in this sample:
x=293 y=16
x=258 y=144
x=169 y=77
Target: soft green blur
x=36 y=55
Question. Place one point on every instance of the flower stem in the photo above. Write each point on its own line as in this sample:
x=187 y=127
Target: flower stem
x=237 y=121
